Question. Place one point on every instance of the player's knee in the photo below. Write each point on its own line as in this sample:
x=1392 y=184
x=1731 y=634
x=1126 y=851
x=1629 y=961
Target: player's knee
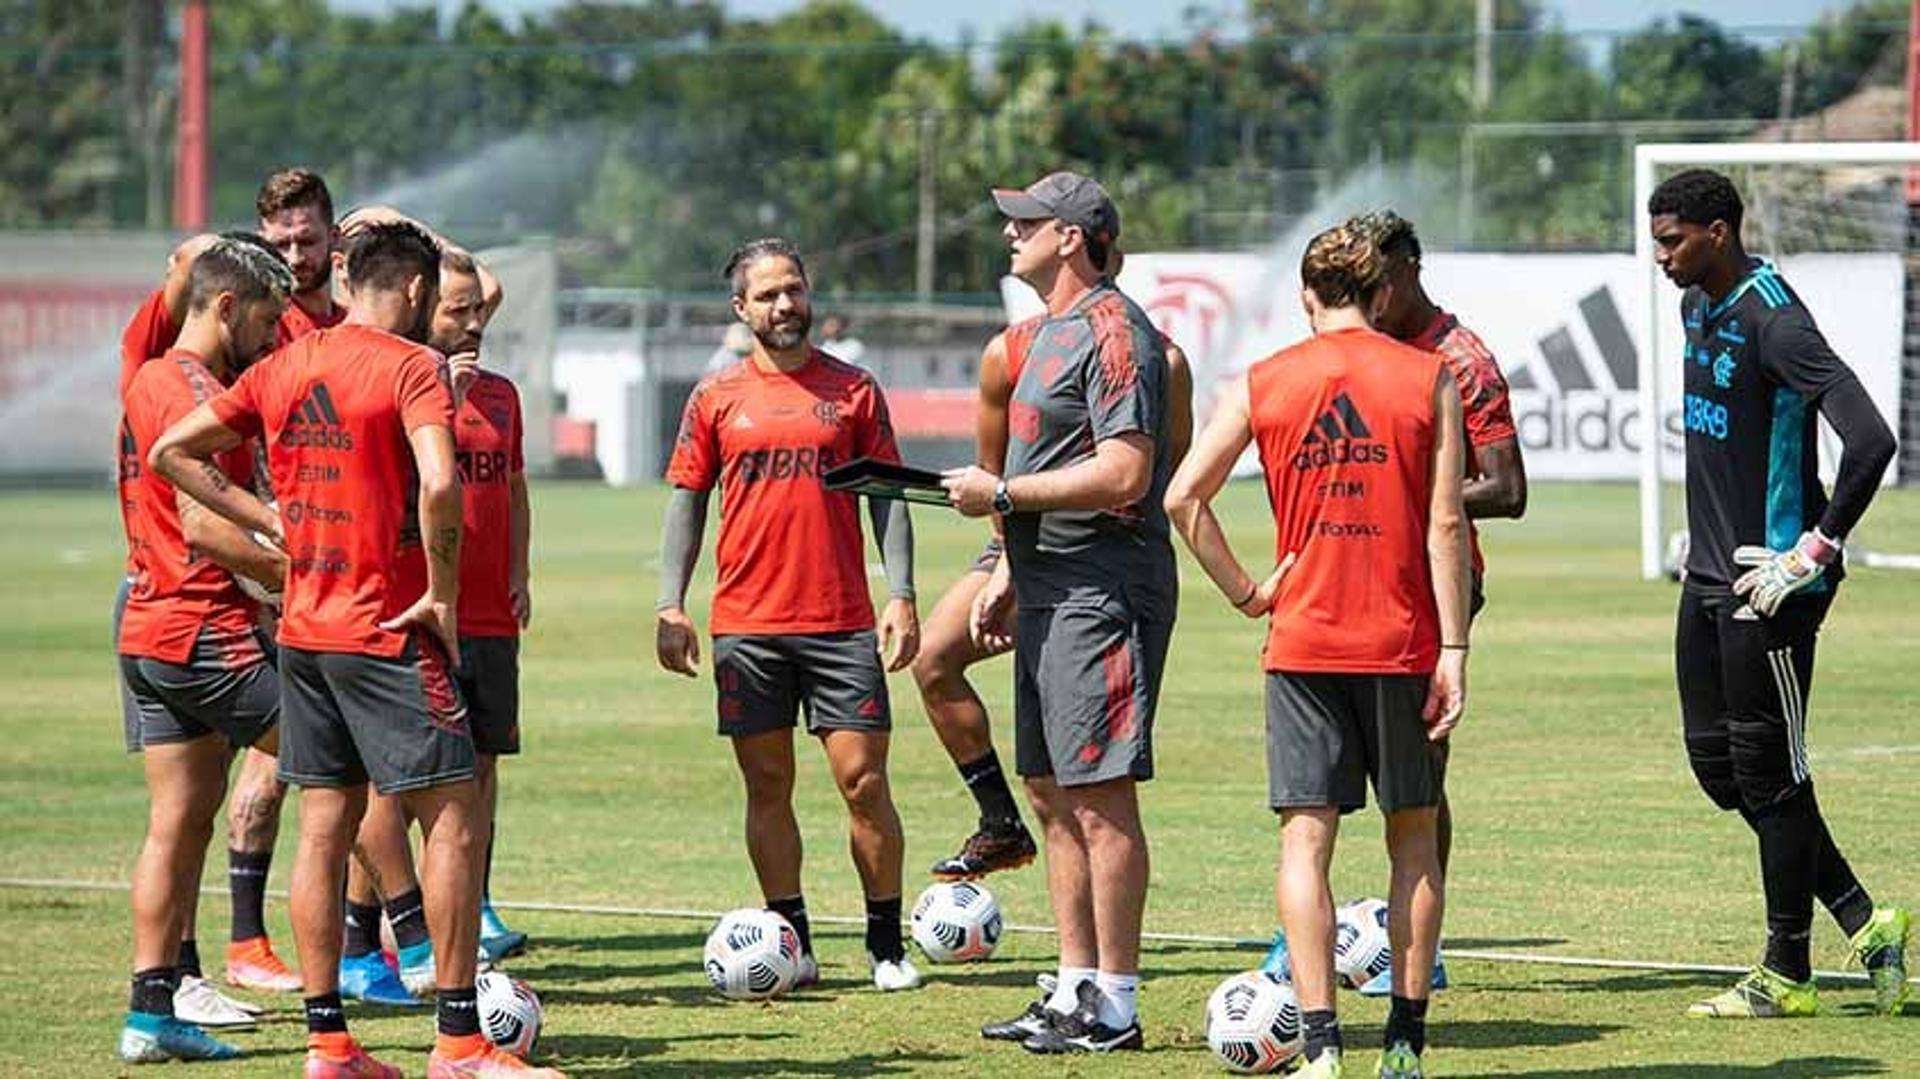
x=767 y=784
x=1763 y=763
x=866 y=792
x=1713 y=769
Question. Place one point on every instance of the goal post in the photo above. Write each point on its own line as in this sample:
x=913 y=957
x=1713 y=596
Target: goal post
x=1650 y=159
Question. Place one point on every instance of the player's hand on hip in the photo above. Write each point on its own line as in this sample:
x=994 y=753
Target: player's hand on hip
x=1446 y=694
x=1261 y=601
x=677 y=642
x=899 y=633
x=1775 y=575
x=970 y=489
x=436 y=617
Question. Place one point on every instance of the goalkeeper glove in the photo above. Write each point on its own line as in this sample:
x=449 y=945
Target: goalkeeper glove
x=1777 y=575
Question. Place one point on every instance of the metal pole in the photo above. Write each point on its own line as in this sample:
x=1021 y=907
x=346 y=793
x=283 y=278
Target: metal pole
x=191 y=180
x=923 y=251
x=1650 y=427
x=1483 y=55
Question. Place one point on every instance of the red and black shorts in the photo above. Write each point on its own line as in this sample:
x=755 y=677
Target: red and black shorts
x=765 y=680
x=227 y=686
x=1086 y=684
x=349 y=718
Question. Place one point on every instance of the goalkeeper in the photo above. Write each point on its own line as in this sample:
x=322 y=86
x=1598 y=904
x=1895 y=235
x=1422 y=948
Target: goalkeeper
x=1762 y=570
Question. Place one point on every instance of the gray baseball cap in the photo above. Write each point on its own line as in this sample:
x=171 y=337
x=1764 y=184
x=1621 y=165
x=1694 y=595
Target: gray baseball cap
x=1070 y=197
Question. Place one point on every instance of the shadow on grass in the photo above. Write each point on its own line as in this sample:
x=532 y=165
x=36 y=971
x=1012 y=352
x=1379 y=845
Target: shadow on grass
x=1516 y=1033
x=603 y=1046
x=1803 y=1068
x=1641 y=981
x=635 y=996
x=622 y=942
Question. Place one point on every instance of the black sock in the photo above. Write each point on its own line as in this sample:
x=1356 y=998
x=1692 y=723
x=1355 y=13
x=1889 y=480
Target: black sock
x=1835 y=885
x=189 y=963
x=989 y=787
x=325 y=1015
x=408 y=915
x=883 y=929
x=794 y=910
x=457 y=1015
x=247 y=885
x=1407 y=1022
x=1323 y=1032
x=1789 y=834
x=363 y=930
x=153 y=991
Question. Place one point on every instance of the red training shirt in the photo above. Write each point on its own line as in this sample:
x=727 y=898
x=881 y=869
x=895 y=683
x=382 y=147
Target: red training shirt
x=790 y=551
x=336 y=408
x=487 y=437
x=1485 y=404
x=1344 y=423
x=176 y=591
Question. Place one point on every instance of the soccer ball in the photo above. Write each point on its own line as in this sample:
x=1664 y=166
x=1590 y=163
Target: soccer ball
x=1360 y=946
x=1253 y=1023
x=509 y=1012
x=752 y=954
x=957 y=922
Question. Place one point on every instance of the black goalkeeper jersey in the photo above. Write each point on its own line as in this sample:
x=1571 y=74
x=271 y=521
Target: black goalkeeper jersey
x=1756 y=367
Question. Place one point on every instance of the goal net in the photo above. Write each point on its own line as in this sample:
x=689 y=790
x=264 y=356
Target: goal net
x=1837 y=219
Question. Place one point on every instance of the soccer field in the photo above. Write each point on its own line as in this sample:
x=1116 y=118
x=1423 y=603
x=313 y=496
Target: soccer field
x=1580 y=832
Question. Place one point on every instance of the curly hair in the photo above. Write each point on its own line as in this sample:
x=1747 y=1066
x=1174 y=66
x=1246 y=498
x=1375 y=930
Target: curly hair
x=1343 y=266
x=1698 y=197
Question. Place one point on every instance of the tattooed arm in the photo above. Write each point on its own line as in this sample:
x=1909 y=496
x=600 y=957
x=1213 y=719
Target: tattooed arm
x=184 y=455
x=440 y=531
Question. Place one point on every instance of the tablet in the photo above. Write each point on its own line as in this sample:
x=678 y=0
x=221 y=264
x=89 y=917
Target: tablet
x=886 y=479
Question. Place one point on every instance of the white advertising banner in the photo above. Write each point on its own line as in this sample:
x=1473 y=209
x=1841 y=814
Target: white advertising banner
x=1567 y=329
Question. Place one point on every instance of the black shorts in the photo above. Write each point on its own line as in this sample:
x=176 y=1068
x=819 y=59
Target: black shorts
x=489 y=678
x=1086 y=685
x=1744 y=684
x=1328 y=735
x=350 y=718
x=227 y=686
x=766 y=679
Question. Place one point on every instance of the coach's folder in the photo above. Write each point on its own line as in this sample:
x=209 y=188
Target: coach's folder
x=885 y=479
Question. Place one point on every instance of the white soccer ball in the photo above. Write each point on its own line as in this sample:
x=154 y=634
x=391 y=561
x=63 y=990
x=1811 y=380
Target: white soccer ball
x=957 y=922
x=752 y=954
x=509 y=1012
x=1360 y=946
x=1253 y=1023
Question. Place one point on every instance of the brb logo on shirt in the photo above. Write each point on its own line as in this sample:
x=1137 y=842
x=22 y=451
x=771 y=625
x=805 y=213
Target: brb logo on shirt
x=1339 y=437
x=785 y=463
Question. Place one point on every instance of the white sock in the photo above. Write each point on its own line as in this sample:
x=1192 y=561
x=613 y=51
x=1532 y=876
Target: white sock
x=1066 y=994
x=1117 y=991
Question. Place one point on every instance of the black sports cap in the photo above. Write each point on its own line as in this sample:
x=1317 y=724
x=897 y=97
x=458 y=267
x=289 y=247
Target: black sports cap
x=1066 y=196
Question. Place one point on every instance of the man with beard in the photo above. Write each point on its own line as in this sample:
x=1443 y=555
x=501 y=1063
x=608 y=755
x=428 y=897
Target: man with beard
x=358 y=419
x=194 y=666
x=792 y=619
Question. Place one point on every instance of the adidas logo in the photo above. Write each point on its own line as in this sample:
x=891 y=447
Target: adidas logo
x=316 y=423
x=744 y=423
x=1337 y=438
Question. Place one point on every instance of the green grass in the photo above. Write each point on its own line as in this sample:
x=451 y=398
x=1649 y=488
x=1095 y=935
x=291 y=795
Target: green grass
x=1580 y=831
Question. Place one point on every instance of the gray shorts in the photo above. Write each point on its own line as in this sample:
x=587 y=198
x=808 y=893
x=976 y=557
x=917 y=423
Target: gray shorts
x=766 y=679
x=227 y=686
x=1328 y=735
x=489 y=678
x=350 y=718
x=1086 y=683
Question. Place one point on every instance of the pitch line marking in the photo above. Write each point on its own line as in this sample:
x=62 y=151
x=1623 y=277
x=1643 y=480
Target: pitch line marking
x=1239 y=943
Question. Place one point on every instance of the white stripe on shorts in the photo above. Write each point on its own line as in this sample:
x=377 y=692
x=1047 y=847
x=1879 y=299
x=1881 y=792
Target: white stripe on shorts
x=1792 y=710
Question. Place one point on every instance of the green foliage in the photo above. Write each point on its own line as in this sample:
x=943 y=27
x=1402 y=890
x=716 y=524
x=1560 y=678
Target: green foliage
x=651 y=137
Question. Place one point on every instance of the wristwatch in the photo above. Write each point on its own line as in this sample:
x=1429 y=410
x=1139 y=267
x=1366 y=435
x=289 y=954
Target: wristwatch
x=1002 y=498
